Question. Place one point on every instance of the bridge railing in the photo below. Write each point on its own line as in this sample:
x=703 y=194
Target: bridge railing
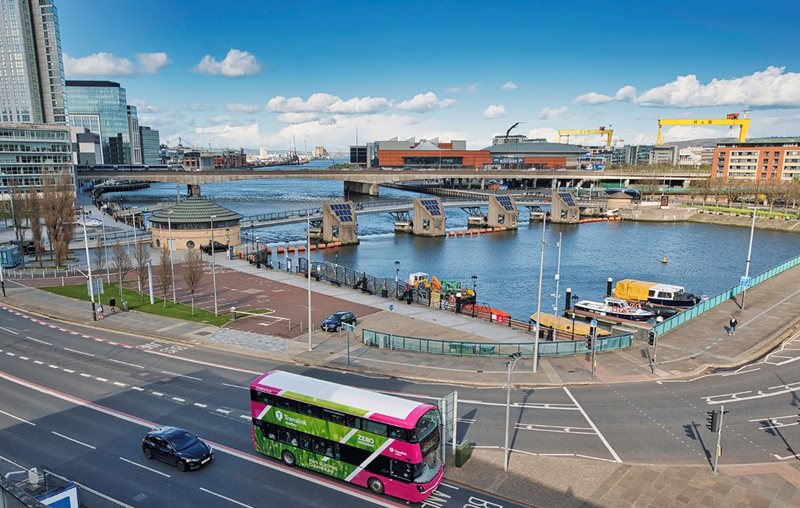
x=700 y=308
x=491 y=349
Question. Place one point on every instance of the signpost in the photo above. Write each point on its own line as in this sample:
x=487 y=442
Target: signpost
x=593 y=326
x=349 y=329
x=448 y=408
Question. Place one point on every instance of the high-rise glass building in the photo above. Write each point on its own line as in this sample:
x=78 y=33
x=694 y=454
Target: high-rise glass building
x=133 y=132
x=101 y=106
x=29 y=153
x=151 y=145
x=31 y=67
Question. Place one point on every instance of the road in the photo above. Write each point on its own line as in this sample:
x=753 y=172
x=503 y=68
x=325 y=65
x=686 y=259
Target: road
x=78 y=403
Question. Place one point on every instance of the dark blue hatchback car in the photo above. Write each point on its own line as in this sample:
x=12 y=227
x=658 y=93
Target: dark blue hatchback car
x=333 y=322
x=178 y=447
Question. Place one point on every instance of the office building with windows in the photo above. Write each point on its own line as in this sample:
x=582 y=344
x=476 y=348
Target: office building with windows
x=133 y=133
x=101 y=106
x=151 y=145
x=31 y=152
x=773 y=160
x=31 y=66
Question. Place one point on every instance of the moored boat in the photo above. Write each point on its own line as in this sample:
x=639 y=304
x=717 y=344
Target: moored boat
x=563 y=327
x=616 y=308
x=655 y=293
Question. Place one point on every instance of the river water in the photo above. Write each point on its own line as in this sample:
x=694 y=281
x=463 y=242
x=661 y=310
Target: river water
x=705 y=259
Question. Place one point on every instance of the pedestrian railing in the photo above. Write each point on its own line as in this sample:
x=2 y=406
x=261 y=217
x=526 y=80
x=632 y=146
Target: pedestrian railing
x=700 y=308
x=492 y=349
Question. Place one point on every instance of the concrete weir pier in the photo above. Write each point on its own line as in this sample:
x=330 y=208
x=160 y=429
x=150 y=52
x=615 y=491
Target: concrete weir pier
x=365 y=188
x=428 y=217
x=503 y=212
x=339 y=223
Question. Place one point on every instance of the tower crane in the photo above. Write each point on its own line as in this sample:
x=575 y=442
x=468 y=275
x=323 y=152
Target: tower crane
x=731 y=120
x=608 y=133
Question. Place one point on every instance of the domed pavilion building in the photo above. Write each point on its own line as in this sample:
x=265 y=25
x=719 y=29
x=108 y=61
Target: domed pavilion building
x=189 y=223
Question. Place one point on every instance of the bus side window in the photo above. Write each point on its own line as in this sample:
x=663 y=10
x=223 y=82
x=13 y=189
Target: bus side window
x=272 y=432
x=319 y=446
x=397 y=433
x=306 y=409
x=334 y=417
x=266 y=398
x=400 y=469
x=353 y=421
x=286 y=404
x=305 y=441
x=376 y=428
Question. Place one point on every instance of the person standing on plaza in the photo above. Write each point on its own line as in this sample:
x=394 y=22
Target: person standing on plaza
x=732 y=326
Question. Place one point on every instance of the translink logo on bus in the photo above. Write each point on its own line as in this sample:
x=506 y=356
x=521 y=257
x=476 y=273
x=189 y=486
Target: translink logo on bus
x=290 y=421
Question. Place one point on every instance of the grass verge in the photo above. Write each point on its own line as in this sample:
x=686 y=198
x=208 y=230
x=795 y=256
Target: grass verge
x=745 y=211
x=142 y=304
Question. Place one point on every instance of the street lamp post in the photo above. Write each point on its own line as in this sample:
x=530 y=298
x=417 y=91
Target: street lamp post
x=474 y=294
x=308 y=270
x=105 y=246
x=213 y=265
x=171 y=248
x=749 y=252
x=510 y=366
x=574 y=301
x=558 y=278
x=89 y=268
x=396 y=277
x=539 y=302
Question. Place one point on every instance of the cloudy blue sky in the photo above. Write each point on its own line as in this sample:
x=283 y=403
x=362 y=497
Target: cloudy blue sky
x=256 y=73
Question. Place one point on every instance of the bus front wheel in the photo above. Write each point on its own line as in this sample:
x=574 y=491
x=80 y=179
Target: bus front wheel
x=288 y=458
x=375 y=485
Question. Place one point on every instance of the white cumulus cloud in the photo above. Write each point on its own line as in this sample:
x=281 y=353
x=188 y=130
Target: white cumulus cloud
x=510 y=85
x=544 y=132
x=456 y=89
x=424 y=102
x=238 y=107
x=297 y=117
x=593 y=98
x=150 y=63
x=111 y=65
x=494 y=111
x=234 y=135
x=550 y=113
x=236 y=64
x=626 y=93
x=326 y=103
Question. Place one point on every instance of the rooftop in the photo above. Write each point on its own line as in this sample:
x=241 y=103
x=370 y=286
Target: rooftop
x=194 y=210
x=535 y=147
x=763 y=141
x=87 y=82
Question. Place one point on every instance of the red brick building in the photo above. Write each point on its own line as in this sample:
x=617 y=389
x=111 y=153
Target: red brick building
x=769 y=160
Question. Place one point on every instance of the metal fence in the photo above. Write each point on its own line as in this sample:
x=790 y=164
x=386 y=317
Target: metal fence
x=726 y=295
x=492 y=349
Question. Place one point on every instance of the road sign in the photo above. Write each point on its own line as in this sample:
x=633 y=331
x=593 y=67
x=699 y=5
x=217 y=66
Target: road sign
x=744 y=282
x=348 y=327
x=391 y=306
x=593 y=323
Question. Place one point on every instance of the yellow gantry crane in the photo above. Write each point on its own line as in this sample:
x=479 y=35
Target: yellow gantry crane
x=732 y=119
x=608 y=133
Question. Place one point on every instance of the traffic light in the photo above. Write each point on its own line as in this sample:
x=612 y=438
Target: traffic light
x=712 y=420
x=589 y=342
x=651 y=338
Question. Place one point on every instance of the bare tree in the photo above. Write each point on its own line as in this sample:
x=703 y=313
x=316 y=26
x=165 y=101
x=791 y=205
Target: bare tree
x=164 y=273
x=58 y=211
x=33 y=206
x=193 y=265
x=100 y=256
x=121 y=263
x=141 y=254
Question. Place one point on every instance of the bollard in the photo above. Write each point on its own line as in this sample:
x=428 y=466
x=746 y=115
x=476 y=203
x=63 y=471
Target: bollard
x=62 y=280
x=233 y=313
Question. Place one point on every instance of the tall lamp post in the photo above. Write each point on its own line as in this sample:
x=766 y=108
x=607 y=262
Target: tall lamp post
x=89 y=265
x=749 y=252
x=213 y=265
x=396 y=277
x=308 y=269
x=171 y=248
x=510 y=366
x=474 y=294
x=105 y=246
x=539 y=301
x=574 y=301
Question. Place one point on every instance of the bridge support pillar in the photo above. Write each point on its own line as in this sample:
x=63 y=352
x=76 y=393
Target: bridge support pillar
x=366 y=188
x=339 y=223
x=428 y=217
x=502 y=212
x=483 y=183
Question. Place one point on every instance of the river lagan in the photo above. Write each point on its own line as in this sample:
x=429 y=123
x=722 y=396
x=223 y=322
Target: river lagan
x=705 y=259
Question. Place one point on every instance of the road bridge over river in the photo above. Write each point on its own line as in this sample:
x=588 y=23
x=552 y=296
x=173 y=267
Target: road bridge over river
x=367 y=181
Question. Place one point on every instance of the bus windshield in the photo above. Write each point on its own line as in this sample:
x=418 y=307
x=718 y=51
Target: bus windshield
x=427 y=424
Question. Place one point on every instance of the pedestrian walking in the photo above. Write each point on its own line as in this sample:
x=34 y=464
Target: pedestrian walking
x=100 y=311
x=113 y=303
x=732 y=326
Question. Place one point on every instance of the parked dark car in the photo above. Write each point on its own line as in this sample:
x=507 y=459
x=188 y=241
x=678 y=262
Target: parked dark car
x=178 y=447
x=218 y=247
x=333 y=322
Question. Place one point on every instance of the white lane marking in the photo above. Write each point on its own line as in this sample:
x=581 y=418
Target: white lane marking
x=38 y=340
x=200 y=405
x=732 y=395
x=9 y=353
x=225 y=497
x=125 y=363
x=137 y=388
x=117 y=383
x=554 y=428
x=787 y=361
x=201 y=362
x=53 y=366
x=158 y=394
x=223 y=411
x=760 y=395
x=236 y=386
x=770 y=418
x=24 y=358
x=178 y=399
x=38 y=362
x=102 y=379
x=79 y=352
x=69 y=371
x=74 y=440
x=591 y=424
x=17 y=418
x=245 y=417
x=144 y=467
x=562 y=407
x=9 y=330
x=83 y=374
x=796 y=455
x=180 y=375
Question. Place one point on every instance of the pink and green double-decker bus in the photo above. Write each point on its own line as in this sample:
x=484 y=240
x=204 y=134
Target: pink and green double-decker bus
x=388 y=444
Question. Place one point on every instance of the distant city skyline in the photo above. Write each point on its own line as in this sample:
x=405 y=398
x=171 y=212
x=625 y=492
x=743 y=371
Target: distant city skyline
x=262 y=73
